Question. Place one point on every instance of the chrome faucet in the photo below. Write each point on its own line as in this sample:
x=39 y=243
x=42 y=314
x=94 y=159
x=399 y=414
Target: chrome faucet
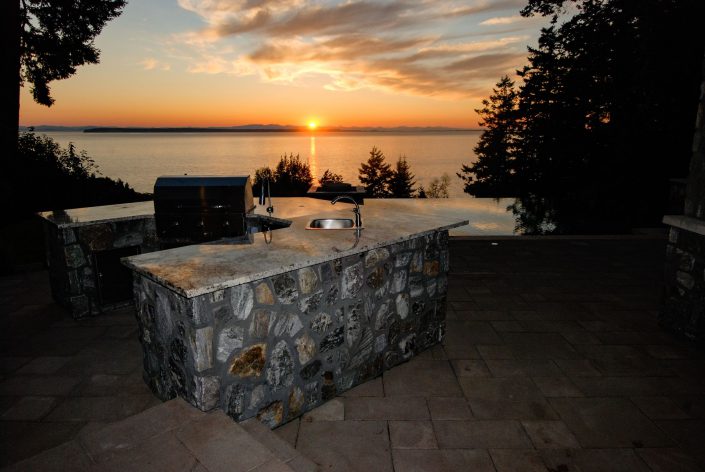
x=262 y=200
x=356 y=210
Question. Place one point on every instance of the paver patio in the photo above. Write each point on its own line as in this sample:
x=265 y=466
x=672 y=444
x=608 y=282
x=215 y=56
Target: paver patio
x=553 y=361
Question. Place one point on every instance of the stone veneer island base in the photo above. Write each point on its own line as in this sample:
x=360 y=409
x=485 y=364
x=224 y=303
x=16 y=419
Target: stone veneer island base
x=279 y=346
x=83 y=247
x=294 y=324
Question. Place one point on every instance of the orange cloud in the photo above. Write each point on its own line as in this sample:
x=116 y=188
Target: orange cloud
x=411 y=46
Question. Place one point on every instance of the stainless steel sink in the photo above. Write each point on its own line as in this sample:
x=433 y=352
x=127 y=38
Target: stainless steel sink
x=331 y=223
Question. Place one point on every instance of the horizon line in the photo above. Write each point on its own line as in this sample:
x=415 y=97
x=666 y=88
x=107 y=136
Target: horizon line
x=238 y=128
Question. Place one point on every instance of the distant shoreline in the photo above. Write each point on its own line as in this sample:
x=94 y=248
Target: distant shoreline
x=245 y=129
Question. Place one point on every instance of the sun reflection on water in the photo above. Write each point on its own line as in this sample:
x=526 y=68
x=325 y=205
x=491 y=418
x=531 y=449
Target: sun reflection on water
x=312 y=161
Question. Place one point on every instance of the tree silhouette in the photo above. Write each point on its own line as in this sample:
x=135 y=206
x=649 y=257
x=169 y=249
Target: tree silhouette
x=493 y=173
x=605 y=111
x=57 y=178
x=291 y=177
x=438 y=188
x=43 y=41
x=330 y=177
x=402 y=182
x=608 y=103
x=376 y=175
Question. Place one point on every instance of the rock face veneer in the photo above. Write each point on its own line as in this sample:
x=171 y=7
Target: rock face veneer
x=71 y=252
x=277 y=347
x=683 y=309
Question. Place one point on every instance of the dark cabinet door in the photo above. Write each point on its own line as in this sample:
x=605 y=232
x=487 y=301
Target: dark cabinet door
x=113 y=280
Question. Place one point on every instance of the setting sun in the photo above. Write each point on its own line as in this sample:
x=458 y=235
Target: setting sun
x=312 y=125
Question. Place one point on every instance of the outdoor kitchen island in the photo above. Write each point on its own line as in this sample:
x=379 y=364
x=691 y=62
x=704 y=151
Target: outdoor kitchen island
x=274 y=328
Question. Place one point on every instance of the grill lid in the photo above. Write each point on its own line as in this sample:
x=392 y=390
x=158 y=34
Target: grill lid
x=199 y=192
x=191 y=209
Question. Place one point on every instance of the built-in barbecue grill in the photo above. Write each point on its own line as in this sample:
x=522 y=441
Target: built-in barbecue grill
x=195 y=209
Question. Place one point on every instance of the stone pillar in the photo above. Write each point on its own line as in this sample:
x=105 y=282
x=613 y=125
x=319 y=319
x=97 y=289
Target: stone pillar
x=684 y=303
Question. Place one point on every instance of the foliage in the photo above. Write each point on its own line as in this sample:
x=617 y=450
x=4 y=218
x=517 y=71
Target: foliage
x=605 y=111
x=493 y=172
x=57 y=36
x=262 y=174
x=376 y=175
x=438 y=188
x=330 y=177
x=48 y=177
x=291 y=177
x=402 y=182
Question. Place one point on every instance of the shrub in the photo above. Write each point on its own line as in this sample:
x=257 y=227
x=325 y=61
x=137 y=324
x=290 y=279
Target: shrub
x=291 y=177
x=46 y=176
x=330 y=177
x=438 y=188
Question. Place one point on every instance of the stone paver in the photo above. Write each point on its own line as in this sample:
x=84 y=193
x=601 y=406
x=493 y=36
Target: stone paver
x=449 y=408
x=386 y=408
x=506 y=398
x=577 y=367
x=371 y=388
x=412 y=435
x=557 y=387
x=470 y=368
x=660 y=408
x=550 y=435
x=608 y=422
x=446 y=460
x=514 y=367
x=594 y=460
x=29 y=409
x=346 y=446
x=481 y=434
x=667 y=460
x=424 y=378
x=45 y=385
x=495 y=351
x=289 y=432
x=334 y=410
x=103 y=408
x=517 y=460
x=44 y=365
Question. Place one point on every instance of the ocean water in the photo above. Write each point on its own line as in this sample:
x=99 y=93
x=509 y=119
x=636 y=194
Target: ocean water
x=139 y=158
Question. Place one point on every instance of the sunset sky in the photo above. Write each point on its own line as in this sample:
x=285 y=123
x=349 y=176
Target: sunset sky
x=290 y=62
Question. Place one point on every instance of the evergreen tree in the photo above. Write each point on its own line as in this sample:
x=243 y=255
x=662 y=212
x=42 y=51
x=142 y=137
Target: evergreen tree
x=330 y=177
x=596 y=87
x=604 y=114
x=402 y=183
x=376 y=175
x=493 y=172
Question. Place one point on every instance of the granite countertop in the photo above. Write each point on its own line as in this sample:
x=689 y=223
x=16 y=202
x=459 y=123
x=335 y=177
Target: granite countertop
x=687 y=223
x=487 y=216
x=283 y=207
x=203 y=268
x=99 y=214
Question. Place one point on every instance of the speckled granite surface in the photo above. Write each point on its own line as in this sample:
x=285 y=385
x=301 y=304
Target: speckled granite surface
x=99 y=214
x=487 y=216
x=194 y=270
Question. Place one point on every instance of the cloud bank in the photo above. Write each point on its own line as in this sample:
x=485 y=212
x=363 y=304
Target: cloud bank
x=444 y=49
